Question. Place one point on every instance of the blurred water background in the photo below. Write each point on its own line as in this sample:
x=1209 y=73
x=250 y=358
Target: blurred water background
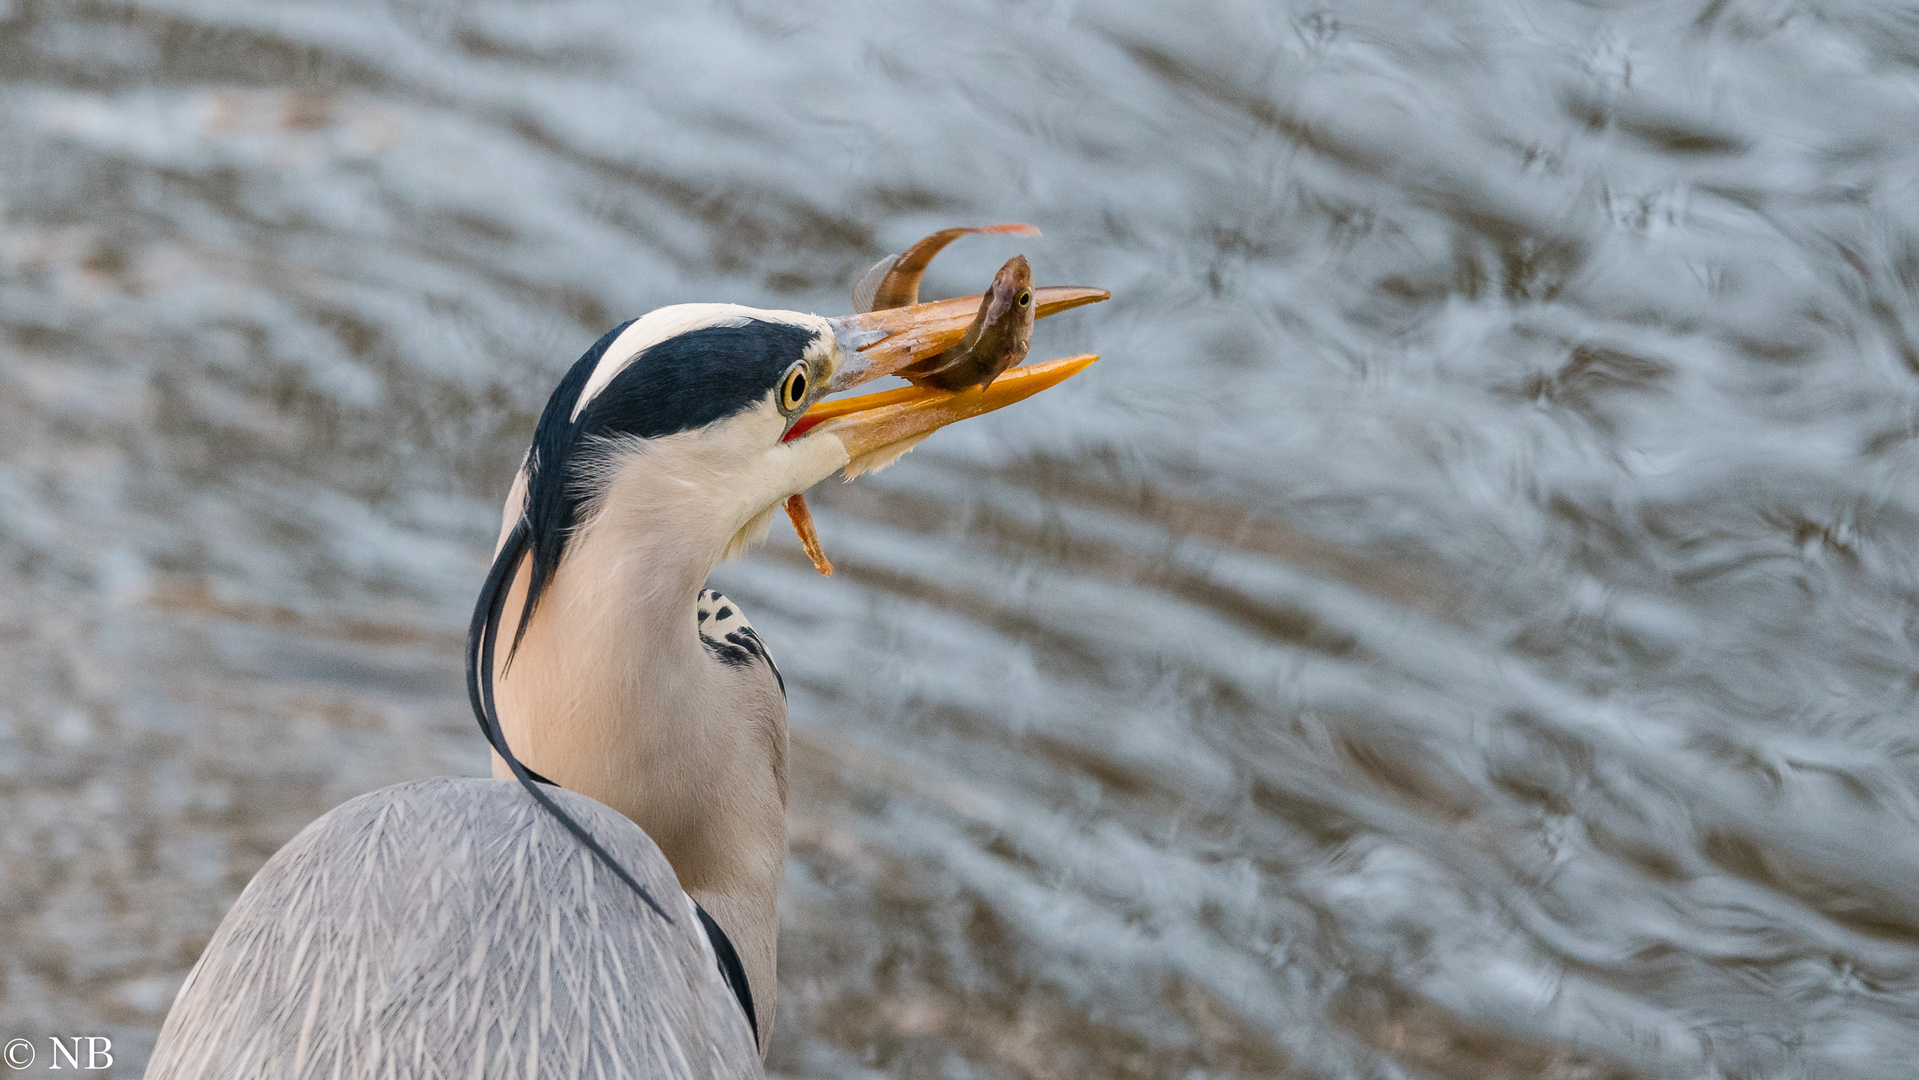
x=1464 y=628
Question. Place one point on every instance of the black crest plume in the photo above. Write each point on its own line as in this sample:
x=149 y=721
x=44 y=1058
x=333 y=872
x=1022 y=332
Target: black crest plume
x=484 y=631
x=549 y=513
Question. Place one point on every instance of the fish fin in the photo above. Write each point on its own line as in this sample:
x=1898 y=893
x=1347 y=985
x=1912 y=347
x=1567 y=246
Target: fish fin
x=809 y=537
x=868 y=285
x=895 y=280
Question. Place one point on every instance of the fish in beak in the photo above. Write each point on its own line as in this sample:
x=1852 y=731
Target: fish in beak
x=877 y=429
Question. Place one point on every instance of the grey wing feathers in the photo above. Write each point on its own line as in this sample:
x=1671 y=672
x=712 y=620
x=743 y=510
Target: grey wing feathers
x=448 y=927
x=868 y=285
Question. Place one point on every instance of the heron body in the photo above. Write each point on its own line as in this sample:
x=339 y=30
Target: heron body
x=448 y=927
x=457 y=927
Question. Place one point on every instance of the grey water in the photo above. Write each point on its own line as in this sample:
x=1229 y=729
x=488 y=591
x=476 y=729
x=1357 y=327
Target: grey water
x=1466 y=626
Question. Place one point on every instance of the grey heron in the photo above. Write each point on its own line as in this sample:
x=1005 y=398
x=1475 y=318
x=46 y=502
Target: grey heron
x=626 y=924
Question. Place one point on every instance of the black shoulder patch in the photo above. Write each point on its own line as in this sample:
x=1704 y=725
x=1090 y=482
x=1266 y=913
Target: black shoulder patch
x=730 y=638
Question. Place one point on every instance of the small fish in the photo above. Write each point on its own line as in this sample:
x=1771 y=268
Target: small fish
x=997 y=339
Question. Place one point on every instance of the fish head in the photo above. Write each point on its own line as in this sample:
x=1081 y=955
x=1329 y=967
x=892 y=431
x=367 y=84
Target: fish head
x=1010 y=300
x=1006 y=315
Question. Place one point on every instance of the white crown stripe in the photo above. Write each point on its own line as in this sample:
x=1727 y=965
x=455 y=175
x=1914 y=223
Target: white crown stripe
x=669 y=322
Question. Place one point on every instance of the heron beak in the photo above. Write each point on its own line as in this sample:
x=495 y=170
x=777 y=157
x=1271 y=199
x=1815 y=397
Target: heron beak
x=871 y=425
x=880 y=343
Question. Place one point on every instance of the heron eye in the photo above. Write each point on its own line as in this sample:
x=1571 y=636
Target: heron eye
x=1025 y=297
x=793 y=389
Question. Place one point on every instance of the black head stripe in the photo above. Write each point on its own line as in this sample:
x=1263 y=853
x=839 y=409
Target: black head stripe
x=549 y=515
x=685 y=382
x=692 y=379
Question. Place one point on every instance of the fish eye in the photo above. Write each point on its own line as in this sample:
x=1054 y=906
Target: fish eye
x=793 y=388
x=1024 y=298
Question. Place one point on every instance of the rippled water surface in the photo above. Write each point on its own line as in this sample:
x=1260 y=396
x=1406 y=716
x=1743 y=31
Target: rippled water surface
x=1464 y=628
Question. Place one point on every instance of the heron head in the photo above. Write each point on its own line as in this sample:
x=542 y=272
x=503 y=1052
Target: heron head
x=720 y=410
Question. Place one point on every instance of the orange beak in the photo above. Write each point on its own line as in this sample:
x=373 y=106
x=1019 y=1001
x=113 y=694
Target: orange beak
x=872 y=423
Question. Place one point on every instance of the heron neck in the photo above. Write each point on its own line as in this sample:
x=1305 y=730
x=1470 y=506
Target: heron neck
x=612 y=695
x=604 y=693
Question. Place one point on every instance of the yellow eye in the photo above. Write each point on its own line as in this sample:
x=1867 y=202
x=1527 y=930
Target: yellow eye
x=1024 y=298
x=793 y=388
